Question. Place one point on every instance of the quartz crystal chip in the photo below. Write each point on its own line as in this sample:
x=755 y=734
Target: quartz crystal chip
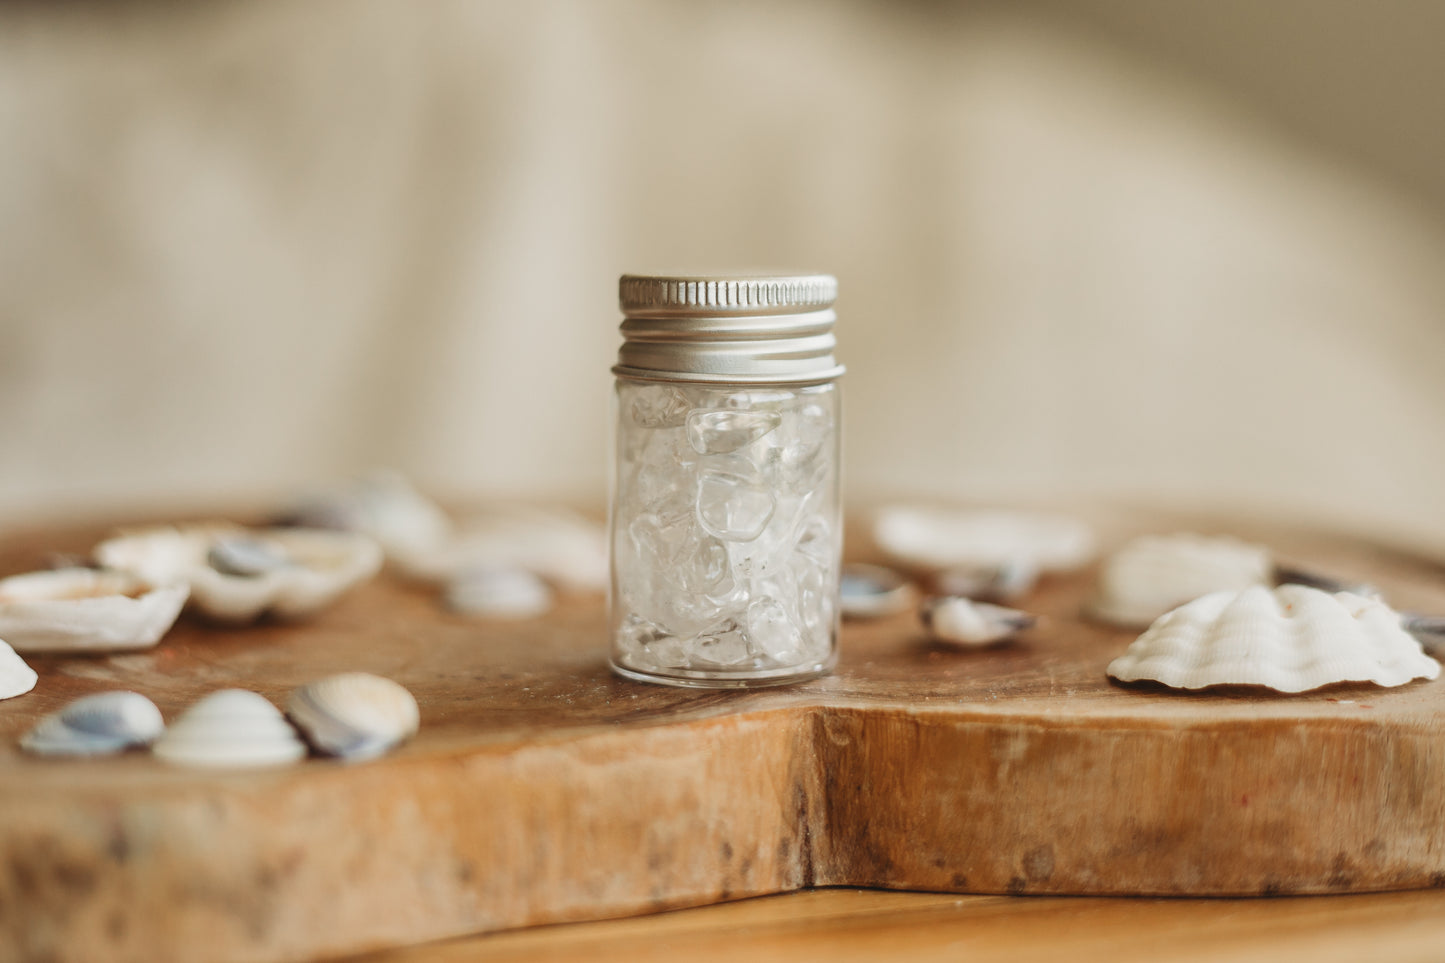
x=732 y=507
x=659 y=406
x=771 y=631
x=650 y=643
x=718 y=431
x=681 y=555
x=723 y=644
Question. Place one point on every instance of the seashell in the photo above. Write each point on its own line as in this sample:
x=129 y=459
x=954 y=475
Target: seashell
x=230 y=728
x=994 y=583
x=96 y=725
x=562 y=547
x=1292 y=639
x=938 y=539
x=319 y=567
x=385 y=507
x=16 y=678
x=88 y=610
x=869 y=591
x=964 y=622
x=1153 y=574
x=354 y=715
x=502 y=593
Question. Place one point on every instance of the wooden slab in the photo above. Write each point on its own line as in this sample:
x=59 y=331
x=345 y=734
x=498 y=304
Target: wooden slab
x=543 y=789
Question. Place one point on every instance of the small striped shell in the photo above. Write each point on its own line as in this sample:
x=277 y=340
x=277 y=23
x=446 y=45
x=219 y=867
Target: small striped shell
x=96 y=725
x=1291 y=639
x=354 y=715
x=963 y=622
x=231 y=728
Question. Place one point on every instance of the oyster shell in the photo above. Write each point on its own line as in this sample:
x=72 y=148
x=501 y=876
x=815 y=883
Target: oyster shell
x=500 y=593
x=1152 y=574
x=934 y=539
x=16 y=678
x=354 y=715
x=964 y=622
x=1292 y=639
x=82 y=609
x=230 y=728
x=96 y=725
x=869 y=591
x=318 y=567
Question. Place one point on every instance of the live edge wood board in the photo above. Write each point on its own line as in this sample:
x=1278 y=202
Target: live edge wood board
x=543 y=789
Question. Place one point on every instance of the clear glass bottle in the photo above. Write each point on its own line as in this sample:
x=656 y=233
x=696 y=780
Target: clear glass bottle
x=725 y=518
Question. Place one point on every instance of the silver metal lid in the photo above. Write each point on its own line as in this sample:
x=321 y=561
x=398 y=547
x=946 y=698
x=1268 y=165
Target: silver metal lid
x=751 y=328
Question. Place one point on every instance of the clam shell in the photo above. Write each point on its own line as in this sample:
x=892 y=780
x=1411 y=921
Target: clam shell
x=354 y=715
x=82 y=609
x=503 y=593
x=385 y=507
x=230 y=728
x=96 y=725
x=323 y=565
x=1292 y=639
x=934 y=539
x=964 y=622
x=871 y=591
x=1154 y=574
x=16 y=678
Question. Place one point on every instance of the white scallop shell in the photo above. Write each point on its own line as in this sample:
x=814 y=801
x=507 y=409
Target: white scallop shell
x=1292 y=639
x=936 y=539
x=354 y=715
x=324 y=565
x=964 y=622
x=230 y=728
x=1153 y=574
x=82 y=609
x=499 y=593
x=16 y=678
x=96 y=725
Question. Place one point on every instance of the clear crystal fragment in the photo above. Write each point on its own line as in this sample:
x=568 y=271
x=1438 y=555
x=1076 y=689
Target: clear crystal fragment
x=659 y=406
x=732 y=507
x=722 y=430
x=772 y=632
x=723 y=644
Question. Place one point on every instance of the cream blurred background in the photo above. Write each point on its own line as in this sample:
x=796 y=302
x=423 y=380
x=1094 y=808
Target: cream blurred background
x=1185 y=252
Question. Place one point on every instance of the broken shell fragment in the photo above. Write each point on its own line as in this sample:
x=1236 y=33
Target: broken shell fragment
x=228 y=580
x=86 y=610
x=354 y=715
x=16 y=678
x=232 y=728
x=1152 y=574
x=1292 y=639
x=500 y=593
x=964 y=622
x=870 y=591
x=96 y=725
x=932 y=539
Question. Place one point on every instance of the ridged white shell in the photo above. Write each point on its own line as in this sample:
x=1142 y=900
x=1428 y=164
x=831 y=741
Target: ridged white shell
x=325 y=564
x=1153 y=574
x=936 y=539
x=354 y=715
x=499 y=593
x=16 y=678
x=231 y=728
x=82 y=609
x=967 y=623
x=1292 y=639
x=96 y=725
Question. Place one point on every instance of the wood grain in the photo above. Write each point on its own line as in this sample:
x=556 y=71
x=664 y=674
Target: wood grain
x=543 y=789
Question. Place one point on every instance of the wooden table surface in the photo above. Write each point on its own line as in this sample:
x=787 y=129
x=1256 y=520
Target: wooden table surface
x=542 y=789
x=857 y=925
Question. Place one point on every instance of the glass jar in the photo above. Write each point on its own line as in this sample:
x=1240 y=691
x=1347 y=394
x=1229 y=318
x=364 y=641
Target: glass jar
x=725 y=518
